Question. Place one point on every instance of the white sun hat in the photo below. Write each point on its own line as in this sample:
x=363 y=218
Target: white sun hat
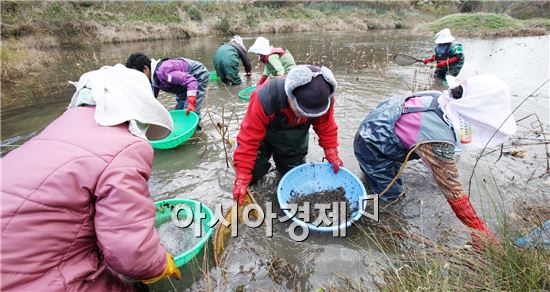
x=444 y=36
x=261 y=46
x=123 y=95
x=483 y=114
x=239 y=41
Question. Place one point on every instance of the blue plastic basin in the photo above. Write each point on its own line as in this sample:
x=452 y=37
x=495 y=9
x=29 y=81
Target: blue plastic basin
x=539 y=236
x=316 y=177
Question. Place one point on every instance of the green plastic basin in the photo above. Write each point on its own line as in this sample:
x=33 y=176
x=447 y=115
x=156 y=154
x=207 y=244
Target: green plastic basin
x=184 y=128
x=214 y=76
x=164 y=215
x=245 y=93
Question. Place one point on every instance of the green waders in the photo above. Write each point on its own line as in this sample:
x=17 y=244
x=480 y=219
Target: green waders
x=226 y=63
x=288 y=146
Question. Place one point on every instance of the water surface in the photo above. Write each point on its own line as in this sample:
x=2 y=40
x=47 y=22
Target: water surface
x=362 y=65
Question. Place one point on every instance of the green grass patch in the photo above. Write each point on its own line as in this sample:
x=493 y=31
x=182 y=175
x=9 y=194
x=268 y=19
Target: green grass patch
x=9 y=55
x=154 y=13
x=330 y=8
x=477 y=23
x=193 y=12
x=301 y=14
x=103 y=17
x=224 y=26
x=538 y=23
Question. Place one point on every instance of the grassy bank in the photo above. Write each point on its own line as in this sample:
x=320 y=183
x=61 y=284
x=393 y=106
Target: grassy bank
x=418 y=262
x=498 y=268
x=37 y=24
x=30 y=28
x=415 y=262
x=489 y=24
x=45 y=24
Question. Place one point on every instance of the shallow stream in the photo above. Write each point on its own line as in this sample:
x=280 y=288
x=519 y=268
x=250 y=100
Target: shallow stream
x=362 y=65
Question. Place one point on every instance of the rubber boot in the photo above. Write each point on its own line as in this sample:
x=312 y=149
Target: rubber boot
x=466 y=213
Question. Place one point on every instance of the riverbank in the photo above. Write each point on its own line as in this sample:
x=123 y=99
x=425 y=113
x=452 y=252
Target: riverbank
x=51 y=24
x=33 y=32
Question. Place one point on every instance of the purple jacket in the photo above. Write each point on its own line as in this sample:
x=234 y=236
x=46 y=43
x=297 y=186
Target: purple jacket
x=74 y=202
x=172 y=75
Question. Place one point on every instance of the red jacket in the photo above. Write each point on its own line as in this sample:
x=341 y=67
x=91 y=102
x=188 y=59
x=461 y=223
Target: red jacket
x=259 y=115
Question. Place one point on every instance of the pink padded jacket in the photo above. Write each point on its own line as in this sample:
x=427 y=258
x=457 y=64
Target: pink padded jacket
x=76 y=211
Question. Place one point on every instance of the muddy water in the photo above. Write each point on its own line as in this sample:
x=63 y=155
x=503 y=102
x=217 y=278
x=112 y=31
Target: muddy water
x=365 y=74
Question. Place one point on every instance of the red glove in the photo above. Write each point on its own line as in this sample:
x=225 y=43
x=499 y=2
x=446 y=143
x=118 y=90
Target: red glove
x=240 y=188
x=332 y=157
x=442 y=64
x=429 y=60
x=445 y=63
x=262 y=80
x=191 y=104
x=466 y=213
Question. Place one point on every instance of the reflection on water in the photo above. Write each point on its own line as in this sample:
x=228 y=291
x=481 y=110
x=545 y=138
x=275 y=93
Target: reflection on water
x=362 y=65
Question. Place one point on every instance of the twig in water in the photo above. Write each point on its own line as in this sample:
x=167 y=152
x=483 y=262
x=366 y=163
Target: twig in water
x=501 y=152
x=223 y=136
x=219 y=132
x=540 y=125
x=173 y=286
x=496 y=131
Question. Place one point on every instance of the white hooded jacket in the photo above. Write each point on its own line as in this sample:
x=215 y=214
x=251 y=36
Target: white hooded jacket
x=483 y=116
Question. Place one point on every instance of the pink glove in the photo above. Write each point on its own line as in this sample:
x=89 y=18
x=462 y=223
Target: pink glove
x=191 y=104
x=240 y=188
x=332 y=157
